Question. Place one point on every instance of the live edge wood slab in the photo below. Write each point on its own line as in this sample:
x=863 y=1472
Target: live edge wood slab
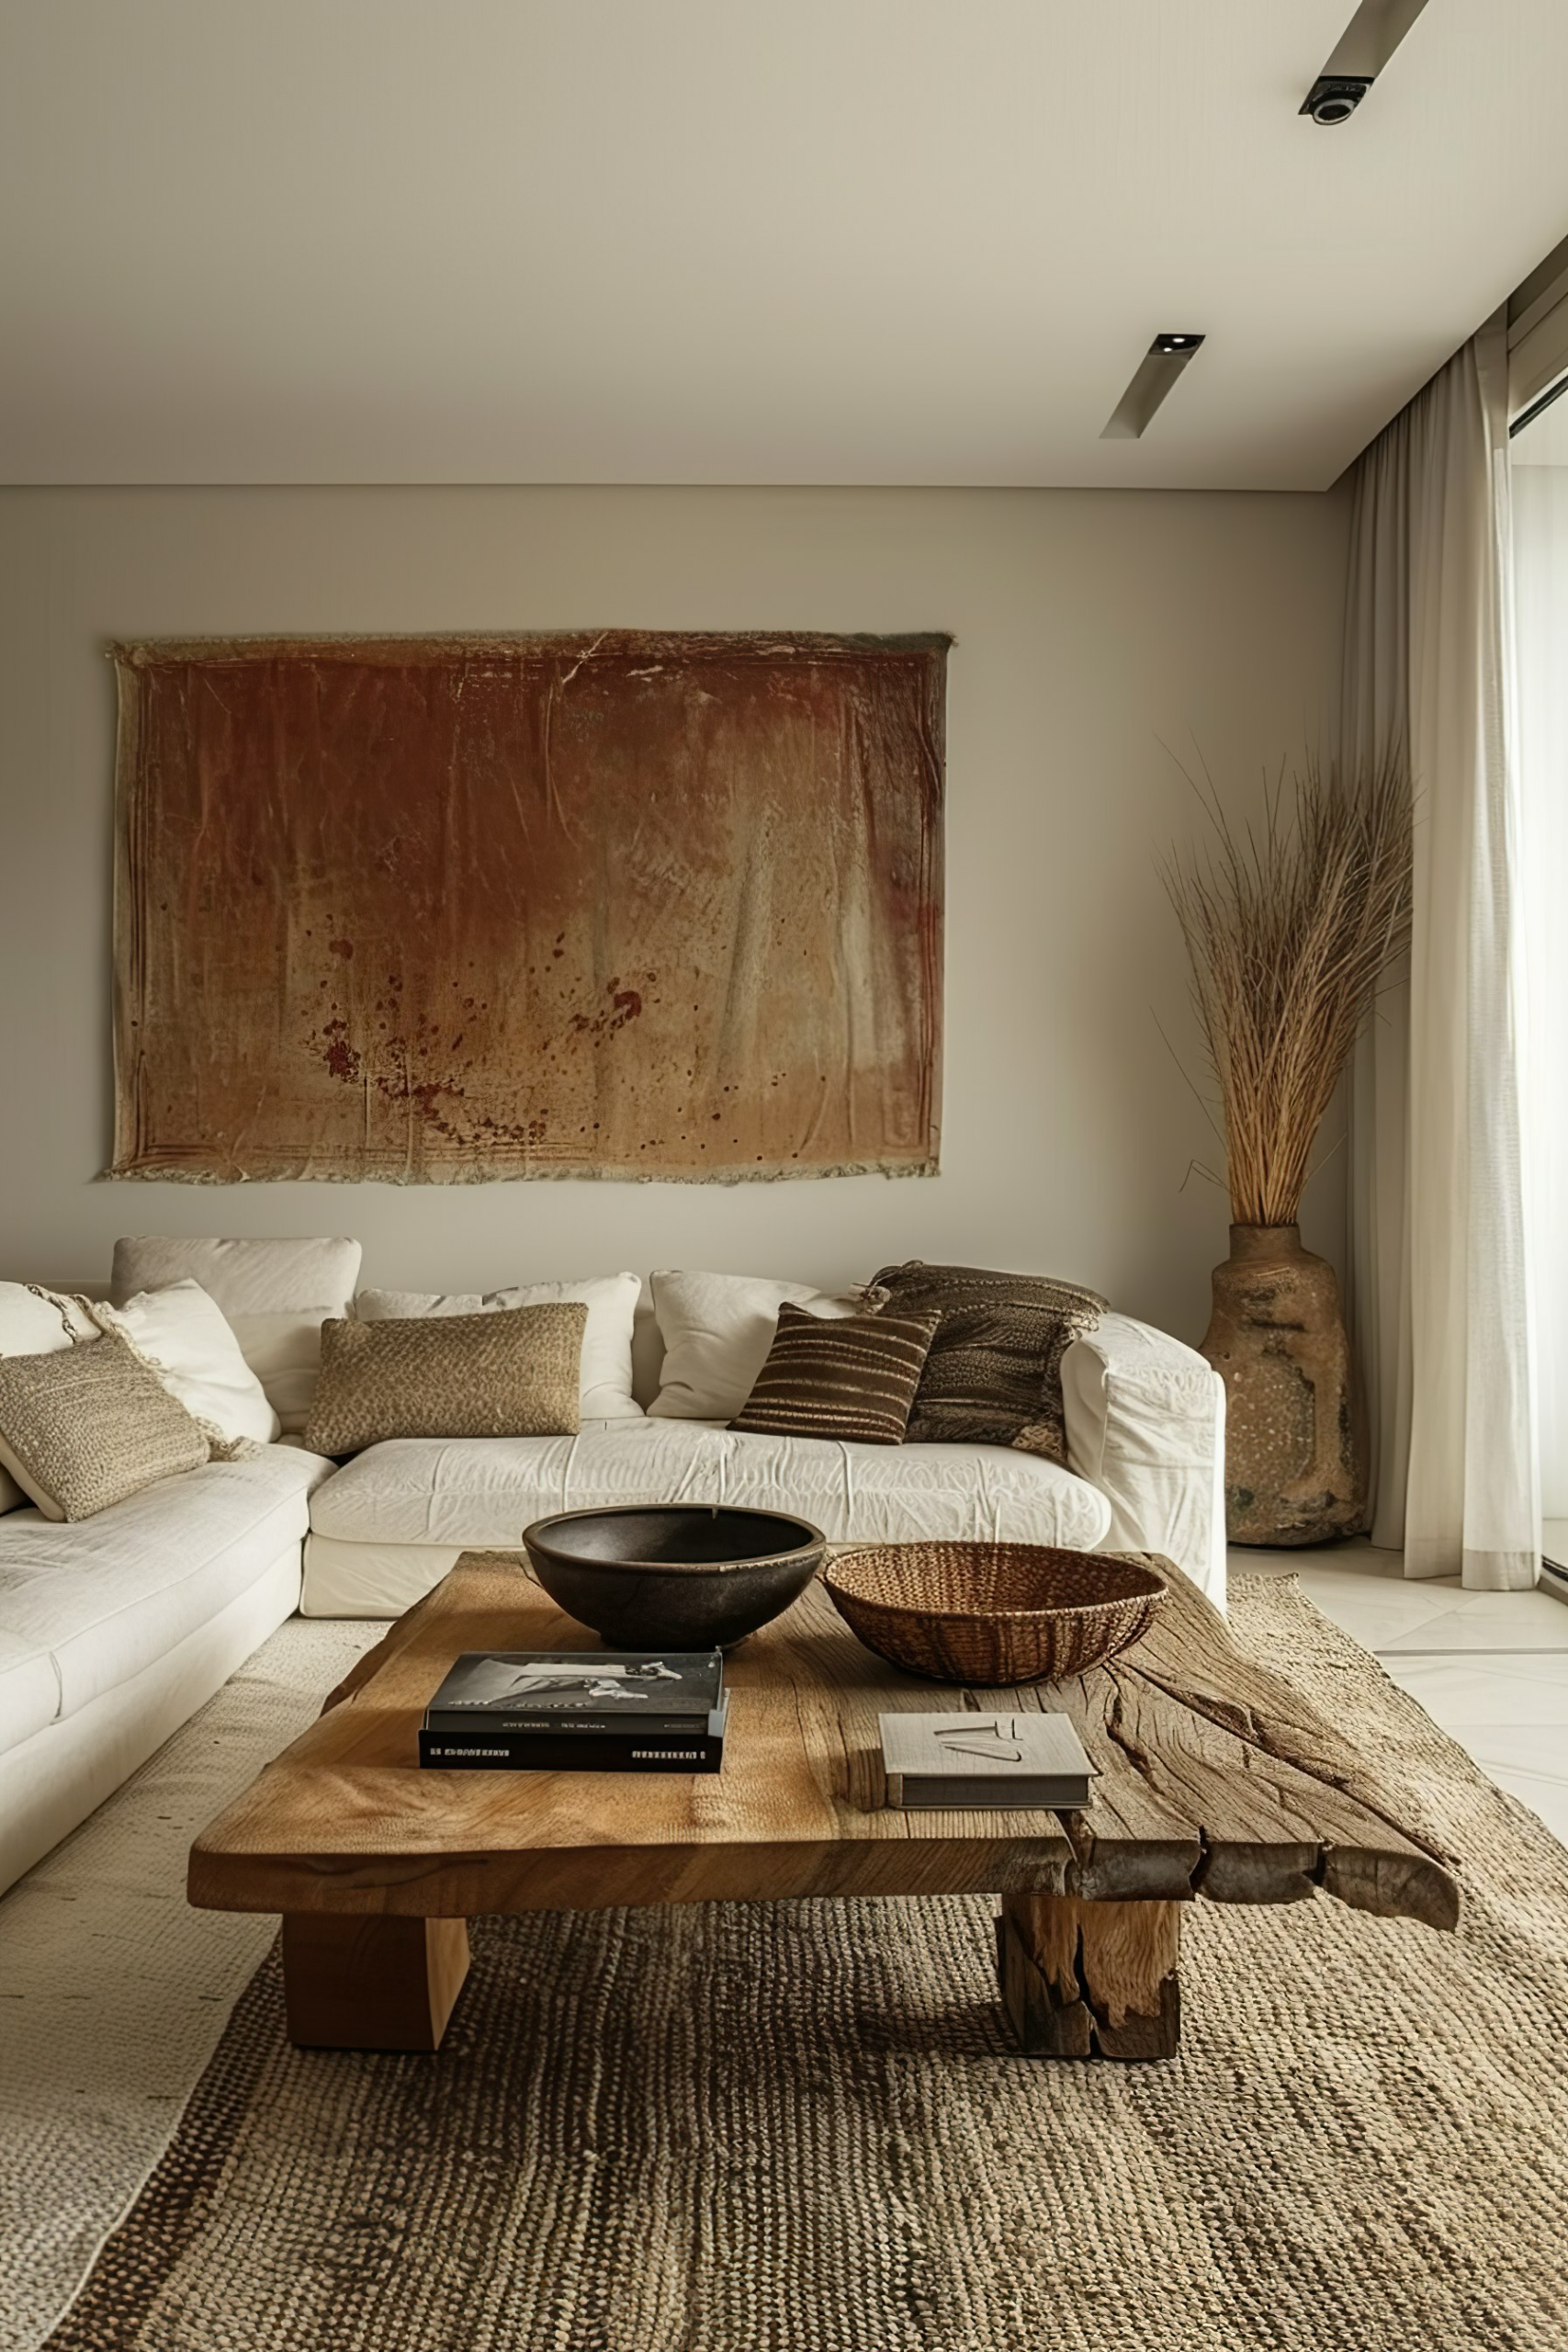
x=1218 y=1781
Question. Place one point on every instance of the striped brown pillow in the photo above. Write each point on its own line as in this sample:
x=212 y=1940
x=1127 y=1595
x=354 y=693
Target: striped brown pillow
x=854 y=1378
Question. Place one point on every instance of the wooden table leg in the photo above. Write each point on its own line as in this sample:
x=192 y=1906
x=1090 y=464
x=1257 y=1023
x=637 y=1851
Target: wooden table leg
x=1090 y=1980
x=355 y=1981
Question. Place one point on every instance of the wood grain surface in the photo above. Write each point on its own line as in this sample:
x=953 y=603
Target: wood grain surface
x=1218 y=1779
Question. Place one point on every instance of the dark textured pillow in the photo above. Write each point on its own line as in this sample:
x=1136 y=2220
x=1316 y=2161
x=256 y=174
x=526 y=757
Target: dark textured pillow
x=511 y=1373
x=849 y=1378
x=994 y=1373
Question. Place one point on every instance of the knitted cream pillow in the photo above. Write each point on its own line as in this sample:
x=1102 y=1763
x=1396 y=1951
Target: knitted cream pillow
x=85 y=1428
x=35 y=1322
x=605 y=1380
x=513 y=1372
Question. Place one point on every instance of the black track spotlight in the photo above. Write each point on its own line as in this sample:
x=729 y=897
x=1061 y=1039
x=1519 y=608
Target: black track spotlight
x=1155 y=376
x=1334 y=97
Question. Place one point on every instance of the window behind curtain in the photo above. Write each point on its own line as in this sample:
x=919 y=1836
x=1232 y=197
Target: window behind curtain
x=1540 y=566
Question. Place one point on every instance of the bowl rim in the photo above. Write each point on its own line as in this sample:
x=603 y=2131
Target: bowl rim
x=534 y=1536
x=1158 y=1588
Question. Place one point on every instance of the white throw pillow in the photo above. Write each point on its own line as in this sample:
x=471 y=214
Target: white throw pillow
x=182 y=1334
x=718 y=1329
x=274 y=1296
x=611 y=1300
x=35 y=1323
x=38 y=1322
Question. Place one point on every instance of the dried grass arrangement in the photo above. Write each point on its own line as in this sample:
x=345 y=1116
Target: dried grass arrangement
x=1290 y=929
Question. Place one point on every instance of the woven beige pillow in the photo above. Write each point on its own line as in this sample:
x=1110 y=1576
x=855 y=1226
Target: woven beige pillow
x=509 y=1374
x=83 y=1429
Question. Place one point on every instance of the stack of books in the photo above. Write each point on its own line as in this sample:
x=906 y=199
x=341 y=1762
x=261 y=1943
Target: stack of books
x=578 y=1711
x=972 y=1761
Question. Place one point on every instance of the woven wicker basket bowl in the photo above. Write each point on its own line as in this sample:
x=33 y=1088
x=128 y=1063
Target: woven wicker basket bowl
x=993 y=1614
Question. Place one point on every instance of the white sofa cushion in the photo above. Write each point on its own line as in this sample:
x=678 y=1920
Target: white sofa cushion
x=182 y=1334
x=30 y=1688
x=611 y=1300
x=483 y=1491
x=54 y=1779
x=371 y=1580
x=718 y=1329
x=274 y=1294
x=105 y=1597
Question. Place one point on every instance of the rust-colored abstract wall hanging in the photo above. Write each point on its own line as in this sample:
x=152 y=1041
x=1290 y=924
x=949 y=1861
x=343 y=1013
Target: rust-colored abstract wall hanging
x=445 y=911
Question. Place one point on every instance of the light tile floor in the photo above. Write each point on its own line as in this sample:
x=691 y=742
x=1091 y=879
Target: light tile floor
x=1491 y=1667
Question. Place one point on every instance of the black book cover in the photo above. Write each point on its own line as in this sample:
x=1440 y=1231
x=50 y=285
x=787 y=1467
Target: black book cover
x=578 y=1693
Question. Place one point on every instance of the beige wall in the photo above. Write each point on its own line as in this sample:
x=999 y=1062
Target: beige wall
x=1089 y=626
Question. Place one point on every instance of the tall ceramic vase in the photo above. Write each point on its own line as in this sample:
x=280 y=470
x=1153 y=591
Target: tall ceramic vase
x=1295 y=1458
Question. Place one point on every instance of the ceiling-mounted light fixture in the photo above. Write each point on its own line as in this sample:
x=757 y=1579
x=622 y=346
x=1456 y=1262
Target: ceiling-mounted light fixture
x=1334 y=97
x=1155 y=376
x=1369 y=40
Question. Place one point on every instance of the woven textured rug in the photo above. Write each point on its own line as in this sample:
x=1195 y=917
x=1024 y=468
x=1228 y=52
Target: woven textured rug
x=775 y=2128
x=113 y=1992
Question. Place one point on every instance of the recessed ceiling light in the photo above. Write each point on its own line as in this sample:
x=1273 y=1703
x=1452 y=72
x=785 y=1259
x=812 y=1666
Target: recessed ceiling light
x=1155 y=376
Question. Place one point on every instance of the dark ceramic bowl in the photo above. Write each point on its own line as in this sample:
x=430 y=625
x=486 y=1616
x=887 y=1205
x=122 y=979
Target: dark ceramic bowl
x=674 y=1576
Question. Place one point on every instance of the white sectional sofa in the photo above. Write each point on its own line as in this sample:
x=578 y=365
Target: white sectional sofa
x=113 y=1629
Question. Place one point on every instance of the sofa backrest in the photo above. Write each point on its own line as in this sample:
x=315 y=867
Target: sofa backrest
x=274 y=1294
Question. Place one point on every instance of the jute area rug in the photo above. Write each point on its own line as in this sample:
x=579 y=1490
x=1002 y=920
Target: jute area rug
x=802 y=2127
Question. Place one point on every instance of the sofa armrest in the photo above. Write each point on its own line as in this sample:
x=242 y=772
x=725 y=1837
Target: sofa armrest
x=1145 y=1422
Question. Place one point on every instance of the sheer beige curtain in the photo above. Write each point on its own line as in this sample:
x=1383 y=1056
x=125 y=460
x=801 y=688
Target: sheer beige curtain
x=1439 y=1287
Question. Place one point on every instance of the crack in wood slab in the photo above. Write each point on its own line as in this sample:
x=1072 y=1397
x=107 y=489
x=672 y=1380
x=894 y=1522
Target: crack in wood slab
x=1243 y=1724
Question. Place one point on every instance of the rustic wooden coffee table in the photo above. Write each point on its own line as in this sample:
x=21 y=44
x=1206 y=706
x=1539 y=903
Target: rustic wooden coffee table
x=1219 y=1782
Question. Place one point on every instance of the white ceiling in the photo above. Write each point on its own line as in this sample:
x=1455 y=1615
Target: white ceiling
x=815 y=241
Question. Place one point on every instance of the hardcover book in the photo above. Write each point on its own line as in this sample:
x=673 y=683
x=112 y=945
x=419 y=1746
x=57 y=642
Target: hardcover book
x=973 y=1760
x=580 y=1711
